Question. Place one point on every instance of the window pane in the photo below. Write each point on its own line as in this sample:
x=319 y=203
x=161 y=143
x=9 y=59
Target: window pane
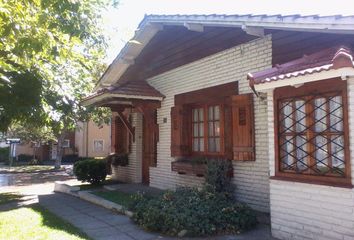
x=300 y=114
x=195 y=115
x=320 y=114
x=211 y=145
x=201 y=129
x=201 y=144
x=287 y=153
x=217 y=112
x=201 y=114
x=301 y=153
x=336 y=116
x=337 y=148
x=217 y=128
x=321 y=154
x=195 y=130
x=217 y=144
x=210 y=113
x=287 y=116
x=211 y=129
x=195 y=145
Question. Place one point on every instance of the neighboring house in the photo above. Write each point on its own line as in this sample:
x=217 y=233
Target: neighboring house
x=273 y=93
x=45 y=151
x=92 y=140
x=41 y=152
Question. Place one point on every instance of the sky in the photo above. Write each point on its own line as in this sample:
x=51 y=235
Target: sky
x=120 y=23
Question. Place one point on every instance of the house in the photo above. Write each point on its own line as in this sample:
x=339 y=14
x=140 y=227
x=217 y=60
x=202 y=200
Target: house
x=45 y=150
x=273 y=93
x=92 y=140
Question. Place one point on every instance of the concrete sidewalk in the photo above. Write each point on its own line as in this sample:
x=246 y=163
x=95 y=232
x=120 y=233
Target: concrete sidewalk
x=99 y=223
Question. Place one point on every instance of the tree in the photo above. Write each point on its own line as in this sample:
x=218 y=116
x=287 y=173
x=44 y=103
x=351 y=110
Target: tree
x=50 y=54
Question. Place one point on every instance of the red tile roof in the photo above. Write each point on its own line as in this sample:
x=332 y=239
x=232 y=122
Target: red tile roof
x=331 y=58
x=132 y=88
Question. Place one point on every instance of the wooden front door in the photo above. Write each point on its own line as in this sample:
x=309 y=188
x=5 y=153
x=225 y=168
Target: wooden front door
x=150 y=139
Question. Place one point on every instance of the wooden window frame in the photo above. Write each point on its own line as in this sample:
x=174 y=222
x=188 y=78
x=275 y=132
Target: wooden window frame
x=205 y=108
x=311 y=89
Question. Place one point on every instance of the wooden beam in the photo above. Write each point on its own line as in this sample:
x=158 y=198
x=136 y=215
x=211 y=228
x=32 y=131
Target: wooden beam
x=254 y=31
x=194 y=27
x=127 y=124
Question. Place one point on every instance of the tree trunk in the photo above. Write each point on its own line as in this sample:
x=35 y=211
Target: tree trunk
x=59 y=151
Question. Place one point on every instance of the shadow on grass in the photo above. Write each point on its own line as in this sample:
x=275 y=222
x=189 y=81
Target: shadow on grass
x=54 y=222
x=9 y=197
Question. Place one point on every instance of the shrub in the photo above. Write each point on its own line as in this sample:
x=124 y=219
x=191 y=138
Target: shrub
x=119 y=159
x=24 y=157
x=218 y=176
x=35 y=162
x=193 y=213
x=4 y=154
x=90 y=170
x=116 y=160
x=70 y=158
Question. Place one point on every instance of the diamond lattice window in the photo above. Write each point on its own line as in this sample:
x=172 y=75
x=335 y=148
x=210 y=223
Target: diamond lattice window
x=311 y=134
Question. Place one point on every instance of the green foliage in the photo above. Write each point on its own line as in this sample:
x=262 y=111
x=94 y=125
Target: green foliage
x=51 y=54
x=71 y=158
x=4 y=154
x=24 y=158
x=218 y=176
x=118 y=159
x=90 y=170
x=35 y=162
x=197 y=213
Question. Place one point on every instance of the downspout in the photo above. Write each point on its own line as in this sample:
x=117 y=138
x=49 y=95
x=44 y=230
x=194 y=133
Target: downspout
x=87 y=137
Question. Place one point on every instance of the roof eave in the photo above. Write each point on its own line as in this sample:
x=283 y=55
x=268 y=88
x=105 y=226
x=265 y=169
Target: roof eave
x=99 y=98
x=296 y=81
x=152 y=24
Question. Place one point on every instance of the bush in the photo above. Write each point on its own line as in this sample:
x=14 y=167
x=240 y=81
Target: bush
x=218 y=176
x=90 y=170
x=24 y=158
x=116 y=160
x=4 y=154
x=35 y=162
x=70 y=158
x=191 y=212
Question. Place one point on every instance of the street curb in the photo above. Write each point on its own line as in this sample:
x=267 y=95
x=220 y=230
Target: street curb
x=89 y=197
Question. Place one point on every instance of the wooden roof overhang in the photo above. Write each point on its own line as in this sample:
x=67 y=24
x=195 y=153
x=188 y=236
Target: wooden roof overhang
x=127 y=61
x=129 y=94
x=330 y=63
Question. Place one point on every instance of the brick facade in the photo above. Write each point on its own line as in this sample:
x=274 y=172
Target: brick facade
x=250 y=178
x=309 y=211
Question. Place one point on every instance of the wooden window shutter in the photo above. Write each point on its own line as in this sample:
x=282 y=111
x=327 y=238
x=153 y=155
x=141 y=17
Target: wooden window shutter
x=180 y=130
x=243 y=127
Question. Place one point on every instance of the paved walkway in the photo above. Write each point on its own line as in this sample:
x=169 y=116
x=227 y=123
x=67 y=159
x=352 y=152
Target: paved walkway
x=99 y=223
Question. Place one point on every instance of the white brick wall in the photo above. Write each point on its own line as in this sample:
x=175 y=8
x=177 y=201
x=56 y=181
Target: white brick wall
x=309 y=211
x=250 y=178
x=132 y=172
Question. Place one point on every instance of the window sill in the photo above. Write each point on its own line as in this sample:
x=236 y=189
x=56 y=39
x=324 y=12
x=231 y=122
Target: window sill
x=342 y=183
x=198 y=169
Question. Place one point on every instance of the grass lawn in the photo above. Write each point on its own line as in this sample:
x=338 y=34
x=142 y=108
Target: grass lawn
x=121 y=198
x=9 y=197
x=35 y=222
x=26 y=168
x=88 y=186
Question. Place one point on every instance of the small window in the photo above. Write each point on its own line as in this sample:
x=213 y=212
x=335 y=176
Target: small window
x=66 y=143
x=98 y=145
x=311 y=132
x=206 y=129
